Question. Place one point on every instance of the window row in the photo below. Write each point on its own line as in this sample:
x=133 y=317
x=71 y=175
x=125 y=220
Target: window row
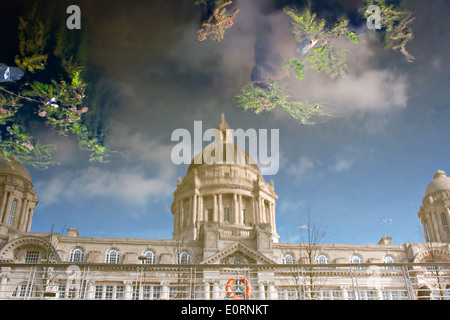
x=293 y=294
x=288 y=258
x=113 y=256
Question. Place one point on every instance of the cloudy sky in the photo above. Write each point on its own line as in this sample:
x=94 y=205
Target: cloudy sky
x=363 y=173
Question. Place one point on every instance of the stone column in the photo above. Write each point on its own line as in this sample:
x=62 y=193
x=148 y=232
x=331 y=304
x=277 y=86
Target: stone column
x=220 y=206
x=435 y=224
x=201 y=214
x=206 y=290
x=215 y=214
x=241 y=218
x=216 y=290
x=189 y=213
x=235 y=209
x=180 y=214
x=194 y=209
x=23 y=214
x=8 y=208
x=344 y=293
x=261 y=294
x=254 y=211
x=430 y=227
x=425 y=233
x=274 y=225
x=164 y=291
x=3 y=208
x=128 y=294
x=379 y=295
x=30 y=218
x=447 y=210
x=440 y=225
x=3 y=282
x=90 y=290
x=17 y=215
x=272 y=292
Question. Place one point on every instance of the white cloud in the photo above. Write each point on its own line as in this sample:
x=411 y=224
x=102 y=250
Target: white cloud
x=342 y=165
x=152 y=176
x=301 y=169
x=365 y=88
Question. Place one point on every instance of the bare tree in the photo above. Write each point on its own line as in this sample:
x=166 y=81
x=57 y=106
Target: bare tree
x=311 y=243
x=432 y=256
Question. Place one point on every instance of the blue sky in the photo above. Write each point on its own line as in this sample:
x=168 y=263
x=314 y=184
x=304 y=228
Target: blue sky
x=363 y=174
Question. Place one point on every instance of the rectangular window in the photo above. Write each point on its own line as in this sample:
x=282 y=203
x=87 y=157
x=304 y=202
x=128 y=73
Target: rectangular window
x=32 y=257
x=98 y=292
x=135 y=293
x=119 y=292
x=23 y=290
x=226 y=214
x=336 y=295
x=210 y=215
x=351 y=295
x=12 y=213
x=156 y=292
x=109 y=292
x=172 y=292
x=62 y=291
x=445 y=225
x=72 y=293
x=370 y=295
x=146 y=293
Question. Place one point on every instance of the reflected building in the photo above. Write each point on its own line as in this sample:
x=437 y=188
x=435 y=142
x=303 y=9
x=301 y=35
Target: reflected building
x=224 y=246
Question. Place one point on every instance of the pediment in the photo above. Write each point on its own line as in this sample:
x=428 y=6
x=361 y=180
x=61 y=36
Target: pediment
x=237 y=251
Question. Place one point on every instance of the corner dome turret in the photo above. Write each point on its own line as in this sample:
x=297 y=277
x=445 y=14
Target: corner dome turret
x=15 y=168
x=440 y=183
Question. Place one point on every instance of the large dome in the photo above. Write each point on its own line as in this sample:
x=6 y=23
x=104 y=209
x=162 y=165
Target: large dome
x=15 y=168
x=224 y=141
x=441 y=182
x=240 y=157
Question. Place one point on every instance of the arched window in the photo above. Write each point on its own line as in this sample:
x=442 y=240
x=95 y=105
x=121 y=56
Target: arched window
x=288 y=258
x=150 y=257
x=184 y=258
x=445 y=225
x=112 y=256
x=322 y=259
x=355 y=259
x=76 y=255
x=12 y=213
x=389 y=259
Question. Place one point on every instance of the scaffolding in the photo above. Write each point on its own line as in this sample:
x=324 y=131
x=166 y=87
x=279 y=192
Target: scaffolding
x=88 y=281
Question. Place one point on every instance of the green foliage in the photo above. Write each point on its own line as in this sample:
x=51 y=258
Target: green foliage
x=253 y=97
x=298 y=66
x=257 y=98
x=396 y=21
x=33 y=37
x=60 y=101
x=321 y=57
x=218 y=22
x=305 y=24
x=18 y=145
